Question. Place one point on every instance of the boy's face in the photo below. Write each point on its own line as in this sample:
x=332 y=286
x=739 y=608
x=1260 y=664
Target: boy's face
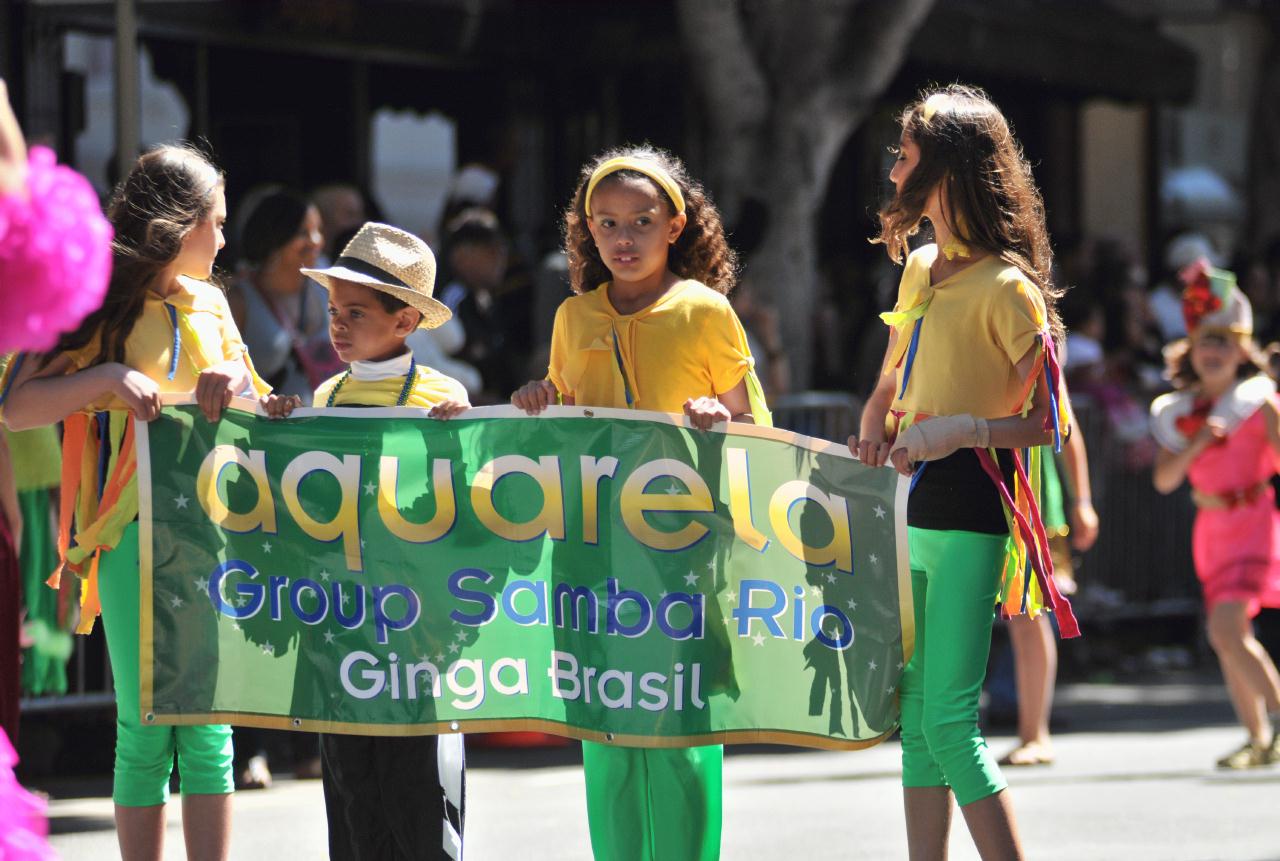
x=361 y=329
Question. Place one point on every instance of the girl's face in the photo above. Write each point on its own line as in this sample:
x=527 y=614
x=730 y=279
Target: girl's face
x=908 y=158
x=1216 y=358
x=202 y=244
x=633 y=228
x=361 y=329
x=303 y=250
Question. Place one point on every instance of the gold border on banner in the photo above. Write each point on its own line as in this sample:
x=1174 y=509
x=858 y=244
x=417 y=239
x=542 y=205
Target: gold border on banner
x=550 y=727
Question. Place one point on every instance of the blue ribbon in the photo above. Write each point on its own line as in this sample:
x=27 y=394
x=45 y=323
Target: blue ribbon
x=911 y=356
x=177 y=341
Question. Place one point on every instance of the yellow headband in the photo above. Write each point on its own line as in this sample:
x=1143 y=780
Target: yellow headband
x=648 y=168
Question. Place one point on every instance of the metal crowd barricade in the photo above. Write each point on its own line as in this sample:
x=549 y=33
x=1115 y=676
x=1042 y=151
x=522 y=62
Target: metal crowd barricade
x=826 y=415
x=1141 y=566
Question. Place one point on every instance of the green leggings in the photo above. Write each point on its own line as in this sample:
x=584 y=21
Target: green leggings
x=653 y=804
x=954 y=581
x=144 y=754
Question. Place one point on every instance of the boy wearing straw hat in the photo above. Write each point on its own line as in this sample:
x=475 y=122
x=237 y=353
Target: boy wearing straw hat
x=396 y=797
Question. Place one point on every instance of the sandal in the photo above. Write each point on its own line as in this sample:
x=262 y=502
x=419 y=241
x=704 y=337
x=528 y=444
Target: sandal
x=256 y=774
x=1025 y=755
x=1250 y=755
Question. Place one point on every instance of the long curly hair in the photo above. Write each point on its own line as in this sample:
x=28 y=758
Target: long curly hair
x=701 y=252
x=168 y=192
x=968 y=151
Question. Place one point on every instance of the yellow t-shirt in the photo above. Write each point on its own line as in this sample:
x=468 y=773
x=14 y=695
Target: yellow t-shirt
x=429 y=388
x=979 y=324
x=688 y=344
x=208 y=336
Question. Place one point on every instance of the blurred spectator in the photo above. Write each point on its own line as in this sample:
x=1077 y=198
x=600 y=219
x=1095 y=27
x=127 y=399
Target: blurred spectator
x=342 y=209
x=758 y=315
x=283 y=316
x=764 y=338
x=47 y=646
x=492 y=296
x=475 y=186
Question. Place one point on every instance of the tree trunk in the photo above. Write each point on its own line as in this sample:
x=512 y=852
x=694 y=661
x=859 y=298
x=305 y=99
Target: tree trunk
x=784 y=87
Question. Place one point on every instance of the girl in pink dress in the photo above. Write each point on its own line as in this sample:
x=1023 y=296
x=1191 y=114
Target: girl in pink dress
x=1221 y=430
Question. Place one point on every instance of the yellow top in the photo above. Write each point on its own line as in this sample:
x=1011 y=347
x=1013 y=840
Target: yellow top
x=979 y=324
x=103 y=502
x=430 y=388
x=208 y=337
x=688 y=344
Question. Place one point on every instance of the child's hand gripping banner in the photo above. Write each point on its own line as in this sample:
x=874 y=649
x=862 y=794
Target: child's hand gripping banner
x=603 y=574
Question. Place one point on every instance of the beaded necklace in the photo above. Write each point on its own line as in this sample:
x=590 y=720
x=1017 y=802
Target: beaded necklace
x=404 y=392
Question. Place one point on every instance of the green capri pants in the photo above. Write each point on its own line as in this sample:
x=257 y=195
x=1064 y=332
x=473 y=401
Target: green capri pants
x=144 y=754
x=653 y=804
x=954 y=580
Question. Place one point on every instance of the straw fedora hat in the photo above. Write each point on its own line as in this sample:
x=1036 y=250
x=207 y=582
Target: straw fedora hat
x=389 y=259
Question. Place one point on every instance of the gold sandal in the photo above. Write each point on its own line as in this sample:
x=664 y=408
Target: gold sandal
x=1250 y=755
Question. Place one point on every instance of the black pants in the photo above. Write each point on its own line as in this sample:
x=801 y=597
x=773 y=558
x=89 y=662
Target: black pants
x=388 y=798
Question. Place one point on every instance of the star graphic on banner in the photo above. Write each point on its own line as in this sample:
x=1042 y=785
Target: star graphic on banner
x=462 y=635
x=346 y=599
x=758 y=639
x=664 y=593
x=235 y=626
x=890 y=689
x=691 y=579
x=180 y=501
x=899 y=664
x=871 y=665
x=711 y=566
x=853 y=605
x=361 y=543
x=831 y=578
x=453 y=648
x=324 y=575
x=439 y=657
x=815 y=590
x=268 y=648
x=880 y=512
x=241 y=601
x=369 y=488
x=673 y=489
x=732 y=598
x=266 y=547
x=175 y=601
x=328 y=637
x=425 y=659
x=873 y=558
x=202 y=583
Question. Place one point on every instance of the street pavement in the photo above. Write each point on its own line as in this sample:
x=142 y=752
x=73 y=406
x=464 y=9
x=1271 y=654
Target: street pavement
x=1134 y=780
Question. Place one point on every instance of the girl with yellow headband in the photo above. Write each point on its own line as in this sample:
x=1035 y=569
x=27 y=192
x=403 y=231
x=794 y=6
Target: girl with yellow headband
x=969 y=380
x=162 y=328
x=650 y=328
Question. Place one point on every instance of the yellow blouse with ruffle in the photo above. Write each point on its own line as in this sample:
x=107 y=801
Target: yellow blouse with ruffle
x=687 y=344
x=975 y=327
x=104 y=502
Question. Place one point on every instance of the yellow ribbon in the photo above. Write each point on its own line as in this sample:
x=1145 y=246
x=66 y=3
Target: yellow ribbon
x=901 y=322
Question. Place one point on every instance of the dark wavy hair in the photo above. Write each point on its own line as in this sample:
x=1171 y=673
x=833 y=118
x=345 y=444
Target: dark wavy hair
x=701 y=252
x=168 y=192
x=968 y=151
x=272 y=220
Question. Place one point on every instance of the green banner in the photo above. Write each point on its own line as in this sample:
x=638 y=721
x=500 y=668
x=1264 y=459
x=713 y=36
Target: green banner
x=604 y=574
